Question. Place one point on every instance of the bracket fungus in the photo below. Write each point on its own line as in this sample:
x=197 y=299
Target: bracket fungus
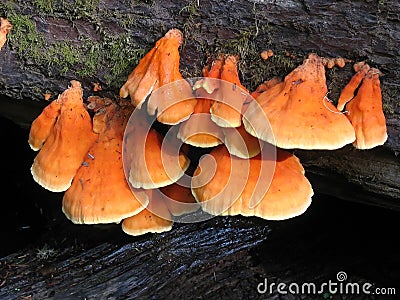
x=179 y=198
x=366 y=114
x=99 y=192
x=229 y=93
x=349 y=90
x=299 y=112
x=5 y=27
x=67 y=144
x=239 y=142
x=288 y=195
x=151 y=161
x=199 y=130
x=158 y=68
x=42 y=126
x=156 y=218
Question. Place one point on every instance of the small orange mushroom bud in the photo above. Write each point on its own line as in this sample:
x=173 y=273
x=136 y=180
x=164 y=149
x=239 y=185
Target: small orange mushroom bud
x=96 y=86
x=340 y=62
x=266 y=54
x=47 y=96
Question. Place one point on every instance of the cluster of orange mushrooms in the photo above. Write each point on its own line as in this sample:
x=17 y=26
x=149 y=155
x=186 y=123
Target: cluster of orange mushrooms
x=115 y=168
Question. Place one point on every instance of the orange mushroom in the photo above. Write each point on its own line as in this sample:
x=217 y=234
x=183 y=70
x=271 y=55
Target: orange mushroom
x=156 y=218
x=209 y=83
x=199 y=130
x=267 y=54
x=349 y=90
x=266 y=85
x=267 y=186
x=239 y=142
x=67 y=144
x=42 y=126
x=227 y=111
x=158 y=71
x=366 y=114
x=178 y=197
x=151 y=161
x=99 y=192
x=5 y=27
x=297 y=114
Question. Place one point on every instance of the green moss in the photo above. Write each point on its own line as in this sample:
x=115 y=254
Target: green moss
x=87 y=59
x=253 y=69
x=46 y=6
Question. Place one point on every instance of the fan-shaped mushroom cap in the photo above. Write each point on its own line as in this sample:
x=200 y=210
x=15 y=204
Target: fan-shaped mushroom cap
x=239 y=142
x=99 y=192
x=199 y=130
x=266 y=85
x=156 y=218
x=227 y=112
x=151 y=161
x=42 y=126
x=64 y=150
x=299 y=113
x=178 y=197
x=158 y=68
x=287 y=194
x=366 y=114
x=349 y=90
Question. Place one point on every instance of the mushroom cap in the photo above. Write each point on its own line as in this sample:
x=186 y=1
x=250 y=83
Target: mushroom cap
x=41 y=127
x=349 y=90
x=239 y=142
x=99 y=192
x=150 y=160
x=156 y=218
x=226 y=111
x=214 y=72
x=199 y=130
x=160 y=67
x=272 y=193
x=366 y=114
x=266 y=85
x=297 y=113
x=178 y=197
x=65 y=148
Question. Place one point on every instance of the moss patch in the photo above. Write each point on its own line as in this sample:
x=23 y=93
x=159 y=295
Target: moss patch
x=109 y=58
